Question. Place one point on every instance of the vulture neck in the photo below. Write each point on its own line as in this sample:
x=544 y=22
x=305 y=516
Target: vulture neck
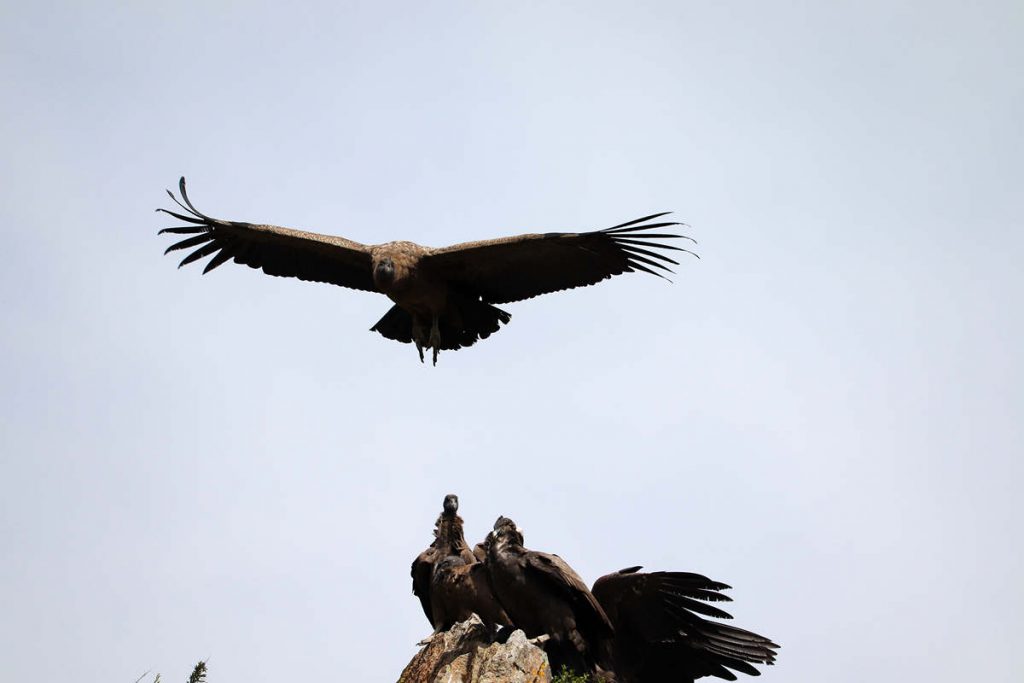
x=449 y=534
x=504 y=547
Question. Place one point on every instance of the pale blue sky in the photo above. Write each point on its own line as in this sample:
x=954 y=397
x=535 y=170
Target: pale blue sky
x=825 y=411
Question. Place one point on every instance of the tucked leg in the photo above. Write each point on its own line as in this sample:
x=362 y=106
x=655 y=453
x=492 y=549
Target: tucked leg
x=418 y=336
x=435 y=338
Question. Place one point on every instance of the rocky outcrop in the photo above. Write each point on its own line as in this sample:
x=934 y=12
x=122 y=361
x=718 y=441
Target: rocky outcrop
x=467 y=653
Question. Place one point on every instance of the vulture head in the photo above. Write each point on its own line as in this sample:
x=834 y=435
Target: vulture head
x=451 y=504
x=505 y=533
x=384 y=271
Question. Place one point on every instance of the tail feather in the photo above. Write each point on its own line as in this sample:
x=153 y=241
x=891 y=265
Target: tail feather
x=478 y=321
x=396 y=324
x=472 y=321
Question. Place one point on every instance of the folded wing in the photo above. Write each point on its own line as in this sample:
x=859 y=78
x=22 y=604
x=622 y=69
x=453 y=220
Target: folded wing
x=421 y=572
x=560 y=577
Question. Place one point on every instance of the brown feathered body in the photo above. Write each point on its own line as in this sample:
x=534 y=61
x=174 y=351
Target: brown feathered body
x=408 y=284
x=449 y=580
x=632 y=627
x=444 y=297
x=542 y=595
x=426 y=304
x=460 y=589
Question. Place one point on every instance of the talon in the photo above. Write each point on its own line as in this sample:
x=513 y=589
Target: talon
x=434 y=340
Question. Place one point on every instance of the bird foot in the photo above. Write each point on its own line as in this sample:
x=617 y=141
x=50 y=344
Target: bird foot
x=539 y=640
x=434 y=341
x=419 y=338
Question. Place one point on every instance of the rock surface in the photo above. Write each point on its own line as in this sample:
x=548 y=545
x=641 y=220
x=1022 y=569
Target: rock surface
x=468 y=654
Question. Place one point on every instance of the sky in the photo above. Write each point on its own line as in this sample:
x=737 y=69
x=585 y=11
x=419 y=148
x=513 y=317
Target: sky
x=825 y=411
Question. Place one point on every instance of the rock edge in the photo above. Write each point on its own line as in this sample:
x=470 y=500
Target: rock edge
x=467 y=653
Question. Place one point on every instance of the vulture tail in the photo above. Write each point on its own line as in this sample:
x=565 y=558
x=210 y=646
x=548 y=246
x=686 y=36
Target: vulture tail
x=470 y=321
x=467 y=321
x=396 y=324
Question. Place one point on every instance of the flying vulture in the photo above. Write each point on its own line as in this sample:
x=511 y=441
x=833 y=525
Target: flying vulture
x=444 y=297
x=659 y=635
x=449 y=580
x=642 y=627
x=543 y=596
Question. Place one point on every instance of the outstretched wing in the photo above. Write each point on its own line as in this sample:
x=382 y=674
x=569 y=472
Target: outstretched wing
x=278 y=251
x=659 y=628
x=514 y=268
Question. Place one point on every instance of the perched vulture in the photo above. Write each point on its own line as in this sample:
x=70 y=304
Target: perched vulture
x=659 y=635
x=633 y=627
x=443 y=296
x=543 y=596
x=449 y=580
x=460 y=589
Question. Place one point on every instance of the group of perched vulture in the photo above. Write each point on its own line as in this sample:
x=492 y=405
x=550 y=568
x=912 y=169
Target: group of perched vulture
x=630 y=627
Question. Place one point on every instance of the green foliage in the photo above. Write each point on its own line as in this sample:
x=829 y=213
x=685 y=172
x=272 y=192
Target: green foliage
x=198 y=675
x=566 y=676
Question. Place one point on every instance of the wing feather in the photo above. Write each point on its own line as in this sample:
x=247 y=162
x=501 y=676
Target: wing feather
x=189 y=242
x=639 y=220
x=224 y=255
x=558 y=573
x=276 y=250
x=421 y=569
x=524 y=266
x=658 y=626
x=198 y=254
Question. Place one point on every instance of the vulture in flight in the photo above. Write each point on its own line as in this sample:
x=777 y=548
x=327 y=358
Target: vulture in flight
x=444 y=297
x=636 y=627
x=449 y=580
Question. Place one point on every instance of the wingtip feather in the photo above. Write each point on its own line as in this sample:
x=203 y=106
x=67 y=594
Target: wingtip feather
x=640 y=220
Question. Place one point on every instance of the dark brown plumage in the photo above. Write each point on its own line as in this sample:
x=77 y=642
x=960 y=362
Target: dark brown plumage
x=443 y=297
x=660 y=635
x=543 y=596
x=449 y=580
x=460 y=589
x=633 y=627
